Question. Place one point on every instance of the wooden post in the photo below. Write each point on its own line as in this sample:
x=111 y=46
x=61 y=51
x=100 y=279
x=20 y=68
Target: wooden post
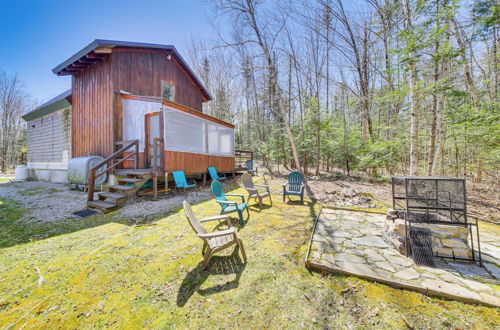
x=136 y=160
x=155 y=170
x=204 y=176
x=90 y=194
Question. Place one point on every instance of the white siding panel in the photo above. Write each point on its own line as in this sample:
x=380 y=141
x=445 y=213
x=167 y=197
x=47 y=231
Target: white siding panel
x=49 y=137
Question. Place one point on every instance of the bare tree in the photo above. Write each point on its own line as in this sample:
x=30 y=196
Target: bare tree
x=13 y=102
x=244 y=13
x=413 y=81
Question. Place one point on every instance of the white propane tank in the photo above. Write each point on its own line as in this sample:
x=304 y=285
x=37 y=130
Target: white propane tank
x=21 y=173
x=78 y=170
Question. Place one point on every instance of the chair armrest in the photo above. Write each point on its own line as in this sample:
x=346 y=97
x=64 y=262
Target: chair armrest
x=227 y=202
x=218 y=233
x=217 y=217
x=284 y=185
x=252 y=190
x=237 y=195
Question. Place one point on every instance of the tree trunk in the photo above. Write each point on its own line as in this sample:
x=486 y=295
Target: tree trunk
x=414 y=101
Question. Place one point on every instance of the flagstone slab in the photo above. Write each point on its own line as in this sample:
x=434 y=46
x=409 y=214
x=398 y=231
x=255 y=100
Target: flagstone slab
x=407 y=274
x=351 y=243
x=370 y=241
x=494 y=270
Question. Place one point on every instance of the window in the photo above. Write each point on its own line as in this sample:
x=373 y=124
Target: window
x=167 y=90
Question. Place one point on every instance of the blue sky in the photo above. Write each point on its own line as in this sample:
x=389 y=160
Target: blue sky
x=35 y=36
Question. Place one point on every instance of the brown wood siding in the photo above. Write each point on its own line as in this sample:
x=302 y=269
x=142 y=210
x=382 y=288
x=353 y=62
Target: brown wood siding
x=192 y=163
x=92 y=118
x=140 y=72
x=97 y=105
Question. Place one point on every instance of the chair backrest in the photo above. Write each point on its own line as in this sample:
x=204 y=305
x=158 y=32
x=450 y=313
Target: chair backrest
x=246 y=180
x=295 y=181
x=213 y=173
x=217 y=191
x=249 y=164
x=179 y=178
x=193 y=222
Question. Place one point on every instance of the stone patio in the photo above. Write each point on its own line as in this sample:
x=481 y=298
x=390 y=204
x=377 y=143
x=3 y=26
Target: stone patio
x=352 y=243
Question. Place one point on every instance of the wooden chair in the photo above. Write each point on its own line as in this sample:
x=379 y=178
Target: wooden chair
x=226 y=205
x=181 y=182
x=255 y=190
x=250 y=168
x=214 y=175
x=294 y=186
x=215 y=241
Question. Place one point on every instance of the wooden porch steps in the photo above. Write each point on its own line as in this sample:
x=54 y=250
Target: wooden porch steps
x=102 y=205
x=117 y=194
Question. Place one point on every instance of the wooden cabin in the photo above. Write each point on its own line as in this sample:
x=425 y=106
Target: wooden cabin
x=122 y=92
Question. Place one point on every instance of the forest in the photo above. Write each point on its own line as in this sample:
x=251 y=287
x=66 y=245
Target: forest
x=381 y=87
x=378 y=87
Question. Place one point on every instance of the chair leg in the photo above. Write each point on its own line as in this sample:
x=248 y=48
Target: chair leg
x=203 y=249
x=242 y=249
x=302 y=198
x=270 y=199
x=240 y=215
x=208 y=256
x=260 y=201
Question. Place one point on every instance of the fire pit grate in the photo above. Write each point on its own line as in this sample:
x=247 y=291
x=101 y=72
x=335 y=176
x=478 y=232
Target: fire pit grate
x=421 y=246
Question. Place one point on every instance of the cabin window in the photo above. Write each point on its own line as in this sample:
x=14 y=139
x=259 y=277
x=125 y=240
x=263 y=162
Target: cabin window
x=167 y=90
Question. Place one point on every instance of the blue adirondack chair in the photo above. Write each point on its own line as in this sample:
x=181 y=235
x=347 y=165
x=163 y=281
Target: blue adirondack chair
x=250 y=168
x=181 y=182
x=214 y=175
x=226 y=205
x=294 y=186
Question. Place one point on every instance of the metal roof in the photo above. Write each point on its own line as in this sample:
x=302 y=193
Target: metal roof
x=59 y=102
x=115 y=43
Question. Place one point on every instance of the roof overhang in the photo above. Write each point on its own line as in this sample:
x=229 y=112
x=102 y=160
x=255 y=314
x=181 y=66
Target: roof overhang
x=57 y=103
x=98 y=49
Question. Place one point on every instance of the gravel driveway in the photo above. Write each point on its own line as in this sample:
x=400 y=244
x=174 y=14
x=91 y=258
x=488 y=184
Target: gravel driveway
x=47 y=201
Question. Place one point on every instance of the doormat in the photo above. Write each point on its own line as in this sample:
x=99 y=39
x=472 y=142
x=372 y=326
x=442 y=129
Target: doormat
x=85 y=213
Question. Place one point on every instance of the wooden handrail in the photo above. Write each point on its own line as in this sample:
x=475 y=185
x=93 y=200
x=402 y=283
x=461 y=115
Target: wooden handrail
x=93 y=170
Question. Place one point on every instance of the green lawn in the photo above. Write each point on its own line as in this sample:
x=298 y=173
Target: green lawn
x=105 y=272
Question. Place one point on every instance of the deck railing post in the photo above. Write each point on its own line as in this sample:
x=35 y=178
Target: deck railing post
x=90 y=194
x=136 y=160
x=155 y=170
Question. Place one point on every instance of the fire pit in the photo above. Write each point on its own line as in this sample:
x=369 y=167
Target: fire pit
x=429 y=218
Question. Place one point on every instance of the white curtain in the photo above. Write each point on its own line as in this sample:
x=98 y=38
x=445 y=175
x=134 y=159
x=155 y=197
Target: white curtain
x=220 y=139
x=134 y=112
x=189 y=133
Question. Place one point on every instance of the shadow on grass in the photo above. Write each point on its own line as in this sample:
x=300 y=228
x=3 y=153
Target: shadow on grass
x=219 y=265
x=14 y=231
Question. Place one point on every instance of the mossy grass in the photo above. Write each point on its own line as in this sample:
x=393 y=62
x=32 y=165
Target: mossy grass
x=105 y=271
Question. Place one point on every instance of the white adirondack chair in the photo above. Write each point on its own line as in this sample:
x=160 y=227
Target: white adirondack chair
x=215 y=241
x=257 y=191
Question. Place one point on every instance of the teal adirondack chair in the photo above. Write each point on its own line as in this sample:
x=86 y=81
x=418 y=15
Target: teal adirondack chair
x=214 y=175
x=226 y=205
x=181 y=182
x=250 y=168
x=294 y=186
